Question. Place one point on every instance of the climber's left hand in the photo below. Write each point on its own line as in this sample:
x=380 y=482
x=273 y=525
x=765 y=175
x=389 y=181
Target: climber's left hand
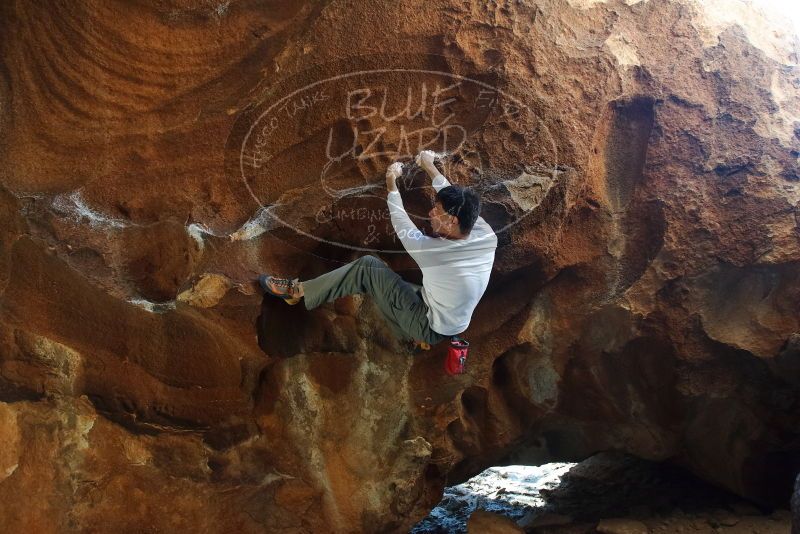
x=394 y=171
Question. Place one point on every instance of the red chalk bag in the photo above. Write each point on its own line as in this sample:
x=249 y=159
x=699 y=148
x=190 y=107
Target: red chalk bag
x=456 y=360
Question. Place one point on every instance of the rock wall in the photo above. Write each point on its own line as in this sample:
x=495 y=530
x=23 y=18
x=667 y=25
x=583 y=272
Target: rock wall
x=638 y=160
x=796 y=506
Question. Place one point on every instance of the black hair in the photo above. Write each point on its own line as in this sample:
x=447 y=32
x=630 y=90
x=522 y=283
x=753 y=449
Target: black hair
x=463 y=202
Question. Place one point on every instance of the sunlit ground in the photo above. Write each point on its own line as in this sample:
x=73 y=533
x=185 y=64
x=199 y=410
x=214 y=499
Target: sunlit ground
x=512 y=491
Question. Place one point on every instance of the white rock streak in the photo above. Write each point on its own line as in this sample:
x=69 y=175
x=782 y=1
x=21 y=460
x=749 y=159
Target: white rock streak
x=152 y=307
x=259 y=223
x=73 y=205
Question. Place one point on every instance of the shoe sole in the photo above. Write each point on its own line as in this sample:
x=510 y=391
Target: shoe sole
x=262 y=281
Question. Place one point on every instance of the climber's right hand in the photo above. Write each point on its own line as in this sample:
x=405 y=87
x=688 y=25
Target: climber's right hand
x=425 y=159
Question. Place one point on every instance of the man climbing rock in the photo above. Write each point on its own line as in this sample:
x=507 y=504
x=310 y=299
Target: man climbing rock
x=456 y=263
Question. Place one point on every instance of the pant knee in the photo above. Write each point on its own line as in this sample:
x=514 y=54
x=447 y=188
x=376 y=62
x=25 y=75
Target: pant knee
x=371 y=260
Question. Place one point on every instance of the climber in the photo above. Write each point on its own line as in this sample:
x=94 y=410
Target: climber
x=455 y=263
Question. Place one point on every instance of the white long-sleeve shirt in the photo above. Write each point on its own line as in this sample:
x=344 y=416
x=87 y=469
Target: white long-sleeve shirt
x=455 y=272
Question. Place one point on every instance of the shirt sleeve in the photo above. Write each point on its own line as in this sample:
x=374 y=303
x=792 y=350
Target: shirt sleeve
x=410 y=236
x=439 y=182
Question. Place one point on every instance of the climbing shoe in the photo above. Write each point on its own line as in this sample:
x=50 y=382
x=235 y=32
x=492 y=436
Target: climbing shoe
x=416 y=346
x=285 y=288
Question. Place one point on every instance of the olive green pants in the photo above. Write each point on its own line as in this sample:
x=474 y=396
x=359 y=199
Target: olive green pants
x=400 y=302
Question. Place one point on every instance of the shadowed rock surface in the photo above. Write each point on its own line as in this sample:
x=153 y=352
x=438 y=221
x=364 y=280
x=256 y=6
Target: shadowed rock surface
x=639 y=161
x=796 y=507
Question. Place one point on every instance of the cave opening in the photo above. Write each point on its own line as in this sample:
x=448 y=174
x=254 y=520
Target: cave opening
x=608 y=492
